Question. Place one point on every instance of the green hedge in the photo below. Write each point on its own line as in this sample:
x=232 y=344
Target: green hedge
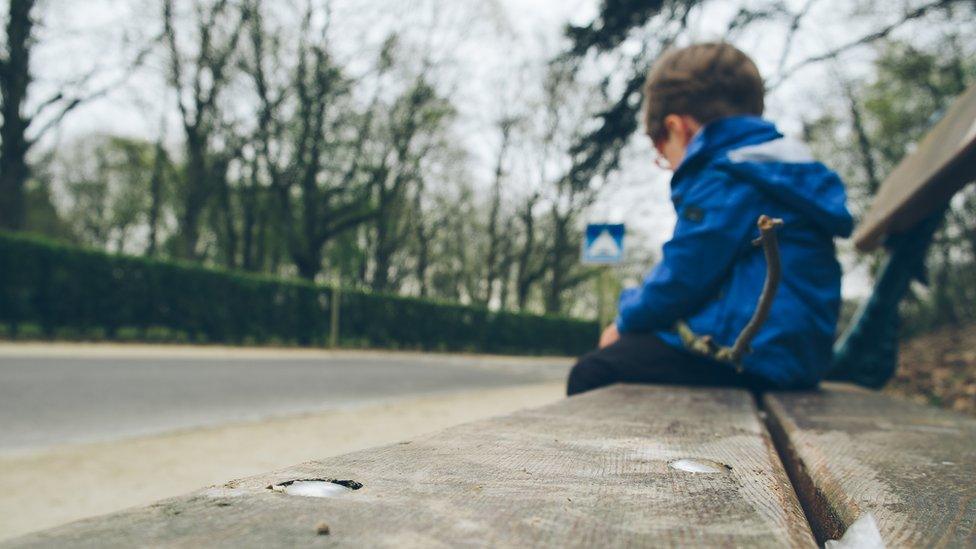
x=57 y=288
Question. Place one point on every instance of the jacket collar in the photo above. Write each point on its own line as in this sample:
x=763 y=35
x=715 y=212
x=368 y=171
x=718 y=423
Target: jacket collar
x=720 y=136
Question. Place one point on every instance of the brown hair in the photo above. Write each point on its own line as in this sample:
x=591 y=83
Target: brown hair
x=705 y=81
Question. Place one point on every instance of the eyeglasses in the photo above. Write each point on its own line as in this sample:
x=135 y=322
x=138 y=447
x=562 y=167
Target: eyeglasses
x=662 y=163
x=657 y=144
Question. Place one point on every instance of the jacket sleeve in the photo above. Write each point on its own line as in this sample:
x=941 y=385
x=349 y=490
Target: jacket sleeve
x=716 y=218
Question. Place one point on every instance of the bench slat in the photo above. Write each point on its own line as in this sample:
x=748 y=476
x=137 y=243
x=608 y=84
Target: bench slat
x=925 y=180
x=852 y=451
x=592 y=470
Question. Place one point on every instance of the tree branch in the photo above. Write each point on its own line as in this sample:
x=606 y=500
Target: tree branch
x=49 y=102
x=220 y=61
x=866 y=39
x=77 y=101
x=745 y=17
x=791 y=33
x=175 y=65
x=349 y=222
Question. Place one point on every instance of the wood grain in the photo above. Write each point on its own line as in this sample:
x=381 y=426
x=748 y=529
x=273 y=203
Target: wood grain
x=925 y=180
x=589 y=471
x=852 y=452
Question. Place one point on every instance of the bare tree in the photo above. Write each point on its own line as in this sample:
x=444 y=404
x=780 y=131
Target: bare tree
x=199 y=80
x=20 y=131
x=412 y=128
x=498 y=237
x=313 y=157
x=563 y=116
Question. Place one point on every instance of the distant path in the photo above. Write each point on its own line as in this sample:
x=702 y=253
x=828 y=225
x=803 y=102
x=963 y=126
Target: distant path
x=57 y=394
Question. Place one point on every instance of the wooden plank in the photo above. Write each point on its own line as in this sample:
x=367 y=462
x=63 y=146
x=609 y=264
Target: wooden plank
x=925 y=180
x=588 y=471
x=852 y=451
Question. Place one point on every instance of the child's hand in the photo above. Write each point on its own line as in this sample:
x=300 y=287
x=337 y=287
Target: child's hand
x=610 y=336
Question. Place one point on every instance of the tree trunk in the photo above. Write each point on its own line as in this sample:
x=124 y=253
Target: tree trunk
x=423 y=263
x=525 y=274
x=386 y=237
x=362 y=272
x=230 y=231
x=13 y=176
x=491 y=276
x=308 y=264
x=195 y=196
x=864 y=145
x=14 y=80
x=381 y=258
x=423 y=241
x=263 y=241
x=557 y=264
x=505 y=291
x=506 y=264
x=249 y=221
x=155 y=198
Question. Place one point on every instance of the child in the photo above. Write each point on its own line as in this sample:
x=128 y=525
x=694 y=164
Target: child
x=702 y=111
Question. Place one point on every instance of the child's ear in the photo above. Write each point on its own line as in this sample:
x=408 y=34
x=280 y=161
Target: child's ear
x=674 y=126
x=681 y=127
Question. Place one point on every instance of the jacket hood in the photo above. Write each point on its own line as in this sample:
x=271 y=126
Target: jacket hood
x=752 y=149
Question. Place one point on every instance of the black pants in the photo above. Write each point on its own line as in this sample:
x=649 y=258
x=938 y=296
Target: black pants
x=644 y=358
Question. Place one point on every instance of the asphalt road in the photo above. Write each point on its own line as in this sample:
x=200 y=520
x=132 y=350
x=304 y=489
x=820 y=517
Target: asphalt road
x=54 y=399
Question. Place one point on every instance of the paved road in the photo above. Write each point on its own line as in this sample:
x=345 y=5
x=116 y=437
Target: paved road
x=56 y=399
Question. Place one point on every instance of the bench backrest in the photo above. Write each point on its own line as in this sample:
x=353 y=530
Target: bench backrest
x=924 y=181
x=905 y=215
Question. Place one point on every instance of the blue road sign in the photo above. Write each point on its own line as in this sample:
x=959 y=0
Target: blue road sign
x=604 y=244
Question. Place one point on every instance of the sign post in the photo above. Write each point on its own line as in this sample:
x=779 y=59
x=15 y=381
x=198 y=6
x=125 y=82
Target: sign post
x=334 y=313
x=603 y=245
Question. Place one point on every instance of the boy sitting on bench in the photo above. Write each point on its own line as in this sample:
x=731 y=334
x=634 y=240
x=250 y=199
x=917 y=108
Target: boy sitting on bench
x=702 y=110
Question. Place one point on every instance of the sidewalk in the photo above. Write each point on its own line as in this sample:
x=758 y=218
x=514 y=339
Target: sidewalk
x=66 y=483
x=165 y=350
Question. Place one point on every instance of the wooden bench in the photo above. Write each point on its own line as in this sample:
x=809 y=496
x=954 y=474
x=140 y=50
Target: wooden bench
x=600 y=469
x=904 y=216
x=924 y=181
x=615 y=467
x=851 y=452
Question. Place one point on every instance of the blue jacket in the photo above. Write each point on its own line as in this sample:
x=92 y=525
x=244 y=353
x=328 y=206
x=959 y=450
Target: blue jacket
x=711 y=275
